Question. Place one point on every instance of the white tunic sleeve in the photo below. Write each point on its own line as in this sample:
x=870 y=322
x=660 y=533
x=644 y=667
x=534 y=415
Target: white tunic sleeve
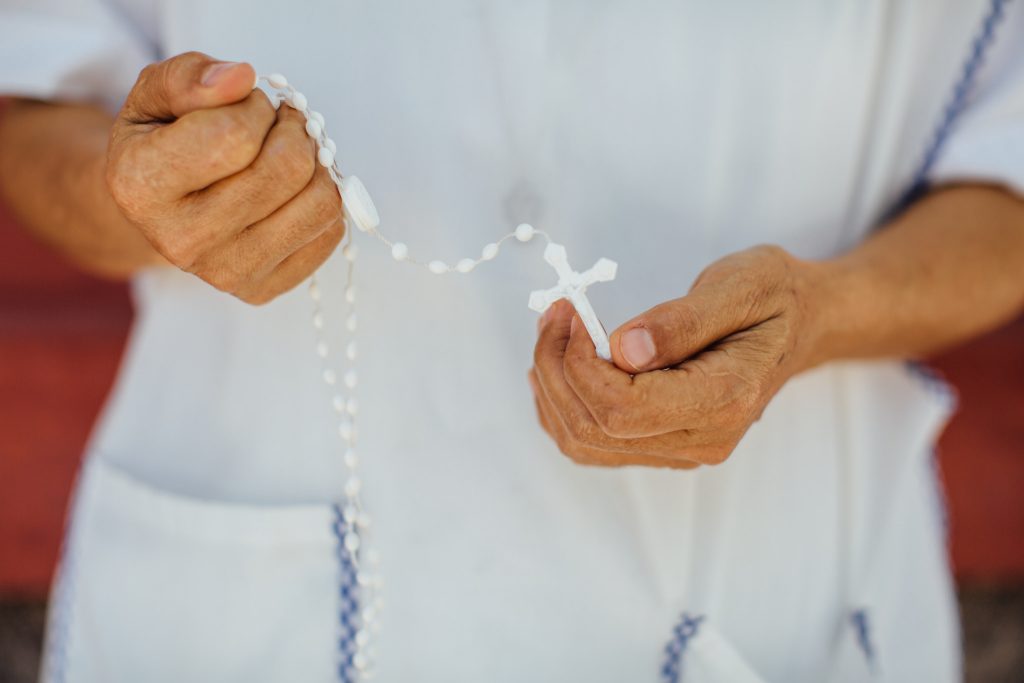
x=986 y=142
x=71 y=49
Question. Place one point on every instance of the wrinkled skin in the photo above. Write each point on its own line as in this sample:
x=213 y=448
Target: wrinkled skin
x=219 y=183
x=714 y=359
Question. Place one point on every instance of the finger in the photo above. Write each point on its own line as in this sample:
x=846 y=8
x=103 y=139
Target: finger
x=679 y=402
x=586 y=455
x=673 y=331
x=203 y=147
x=297 y=267
x=185 y=83
x=578 y=422
x=283 y=168
x=246 y=259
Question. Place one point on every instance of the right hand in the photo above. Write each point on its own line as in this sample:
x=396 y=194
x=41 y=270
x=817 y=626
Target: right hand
x=221 y=184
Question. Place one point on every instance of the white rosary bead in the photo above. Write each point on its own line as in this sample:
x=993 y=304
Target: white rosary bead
x=350 y=294
x=362 y=637
x=352 y=487
x=299 y=101
x=313 y=129
x=438 y=267
x=524 y=232
x=369 y=615
x=465 y=265
x=352 y=407
x=350 y=350
x=351 y=541
x=399 y=251
x=345 y=429
x=359 y=661
x=277 y=81
x=339 y=403
x=351 y=459
x=350 y=252
x=489 y=252
x=350 y=323
x=318 y=320
x=314 y=291
x=319 y=118
x=351 y=379
x=364 y=520
x=325 y=157
x=349 y=514
x=358 y=204
x=321 y=349
x=330 y=377
x=329 y=144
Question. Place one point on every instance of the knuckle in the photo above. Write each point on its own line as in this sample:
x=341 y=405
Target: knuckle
x=147 y=76
x=715 y=455
x=179 y=250
x=575 y=374
x=292 y=162
x=582 y=431
x=224 y=279
x=258 y=297
x=576 y=454
x=742 y=405
x=122 y=189
x=241 y=140
x=326 y=209
x=682 y=465
x=683 y=321
x=123 y=176
x=615 y=420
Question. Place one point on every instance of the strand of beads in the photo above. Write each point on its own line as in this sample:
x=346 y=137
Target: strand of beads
x=358 y=630
x=360 y=603
x=359 y=206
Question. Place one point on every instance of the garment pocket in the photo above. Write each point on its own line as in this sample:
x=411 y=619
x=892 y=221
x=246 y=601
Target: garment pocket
x=160 y=587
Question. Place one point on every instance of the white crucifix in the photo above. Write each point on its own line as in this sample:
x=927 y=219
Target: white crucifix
x=573 y=286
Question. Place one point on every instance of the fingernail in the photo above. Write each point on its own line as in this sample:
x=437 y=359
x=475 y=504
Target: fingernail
x=215 y=73
x=637 y=347
x=572 y=325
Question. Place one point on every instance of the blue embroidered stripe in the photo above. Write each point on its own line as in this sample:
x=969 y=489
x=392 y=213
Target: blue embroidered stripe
x=684 y=630
x=348 y=602
x=958 y=101
x=862 y=627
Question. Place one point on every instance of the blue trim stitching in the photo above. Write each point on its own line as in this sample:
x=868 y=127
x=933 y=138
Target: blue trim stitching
x=862 y=627
x=348 y=602
x=962 y=91
x=684 y=631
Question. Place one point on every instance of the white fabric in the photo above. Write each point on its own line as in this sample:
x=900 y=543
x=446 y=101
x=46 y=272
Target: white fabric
x=663 y=135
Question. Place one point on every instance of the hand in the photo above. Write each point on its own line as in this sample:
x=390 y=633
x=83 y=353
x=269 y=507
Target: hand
x=689 y=376
x=221 y=184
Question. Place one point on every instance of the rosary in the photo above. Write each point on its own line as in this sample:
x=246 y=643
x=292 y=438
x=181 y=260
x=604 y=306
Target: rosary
x=360 y=562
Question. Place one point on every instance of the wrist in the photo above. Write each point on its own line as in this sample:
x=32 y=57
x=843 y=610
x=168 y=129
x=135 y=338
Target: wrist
x=822 y=288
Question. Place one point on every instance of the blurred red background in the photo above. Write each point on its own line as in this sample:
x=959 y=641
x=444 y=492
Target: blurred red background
x=62 y=333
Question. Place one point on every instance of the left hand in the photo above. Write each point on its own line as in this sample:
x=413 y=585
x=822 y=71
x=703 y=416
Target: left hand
x=689 y=376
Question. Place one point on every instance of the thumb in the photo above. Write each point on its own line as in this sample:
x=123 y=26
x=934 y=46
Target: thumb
x=671 y=332
x=174 y=87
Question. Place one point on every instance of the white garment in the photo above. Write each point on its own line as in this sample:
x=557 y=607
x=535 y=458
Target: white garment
x=663 y=135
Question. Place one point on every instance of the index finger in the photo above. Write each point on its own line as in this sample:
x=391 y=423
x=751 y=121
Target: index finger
x=202 y=147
